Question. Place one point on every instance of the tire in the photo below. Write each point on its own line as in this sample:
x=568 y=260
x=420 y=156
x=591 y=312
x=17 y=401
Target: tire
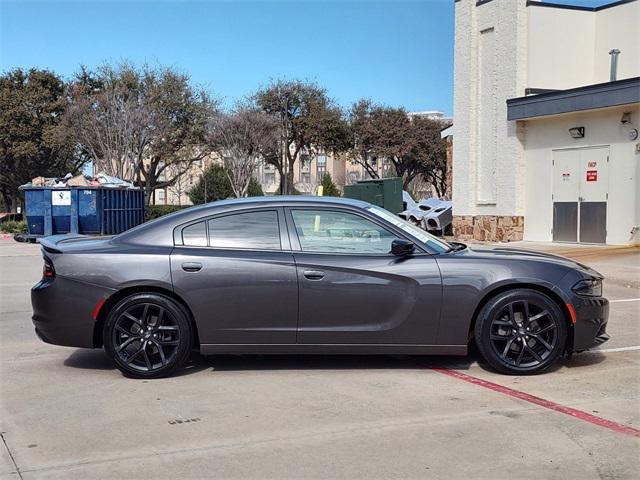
x=148 y=335
x=521 y=332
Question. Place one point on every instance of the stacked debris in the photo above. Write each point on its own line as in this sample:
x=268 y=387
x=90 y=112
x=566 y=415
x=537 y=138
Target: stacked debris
x=428 y=213
x=100 y=180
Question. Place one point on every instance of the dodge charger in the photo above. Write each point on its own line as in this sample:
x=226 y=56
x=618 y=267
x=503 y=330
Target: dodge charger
x=309 y=275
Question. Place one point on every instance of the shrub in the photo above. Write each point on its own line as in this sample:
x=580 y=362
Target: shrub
x=255 y=189
x=329 y=188
x=13 y=226
x=156 y=211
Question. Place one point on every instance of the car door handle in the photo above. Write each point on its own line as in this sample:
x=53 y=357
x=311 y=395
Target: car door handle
x=313 y=274
x=191 y=266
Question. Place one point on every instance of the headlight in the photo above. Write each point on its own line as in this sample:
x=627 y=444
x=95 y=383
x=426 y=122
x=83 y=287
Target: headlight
x=588 y=288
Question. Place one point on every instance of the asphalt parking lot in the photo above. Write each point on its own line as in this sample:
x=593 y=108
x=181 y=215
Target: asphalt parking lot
x=67 y=413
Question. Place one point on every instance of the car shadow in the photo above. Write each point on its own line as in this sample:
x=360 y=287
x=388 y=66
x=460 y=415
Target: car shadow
x=368 y=362
x=89 y=360
x=333 y=362
x=591 y=357
x=99 y=360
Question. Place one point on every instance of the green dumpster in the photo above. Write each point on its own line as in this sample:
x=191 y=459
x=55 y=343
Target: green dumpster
x=384 y=192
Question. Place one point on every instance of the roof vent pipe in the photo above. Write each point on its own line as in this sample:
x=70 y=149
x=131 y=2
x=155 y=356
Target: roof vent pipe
x=614 y=64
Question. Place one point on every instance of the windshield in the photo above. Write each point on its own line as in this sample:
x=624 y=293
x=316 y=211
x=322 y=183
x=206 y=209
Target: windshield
x=431 y=241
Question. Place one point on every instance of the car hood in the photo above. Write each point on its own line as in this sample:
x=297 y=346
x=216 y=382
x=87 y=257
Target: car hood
x=506 y=253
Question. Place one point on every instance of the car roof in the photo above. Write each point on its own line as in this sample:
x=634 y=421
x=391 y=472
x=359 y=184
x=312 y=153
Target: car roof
x=285 y=199
x=160 y=231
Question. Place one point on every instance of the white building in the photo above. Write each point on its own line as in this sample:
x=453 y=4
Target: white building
x=431 y=114
x=545 y=144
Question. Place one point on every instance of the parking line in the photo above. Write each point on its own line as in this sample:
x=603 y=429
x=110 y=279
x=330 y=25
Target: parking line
x=619 y=349
x=579 y=414
x=625 y=300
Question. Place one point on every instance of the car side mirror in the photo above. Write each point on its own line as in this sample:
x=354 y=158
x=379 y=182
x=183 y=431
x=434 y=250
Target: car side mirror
x=402 y=248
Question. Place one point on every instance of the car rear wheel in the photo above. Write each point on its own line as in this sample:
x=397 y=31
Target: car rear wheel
x=148 y=335
x=521 y=332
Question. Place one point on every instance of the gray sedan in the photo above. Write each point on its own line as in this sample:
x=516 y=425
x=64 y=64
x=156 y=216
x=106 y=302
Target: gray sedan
x=309 y=275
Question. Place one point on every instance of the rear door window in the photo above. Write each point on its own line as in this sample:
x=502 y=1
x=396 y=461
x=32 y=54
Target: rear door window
x=248 y=230
x=195 y=235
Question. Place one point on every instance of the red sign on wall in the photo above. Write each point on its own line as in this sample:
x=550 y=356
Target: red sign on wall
x=592 y=175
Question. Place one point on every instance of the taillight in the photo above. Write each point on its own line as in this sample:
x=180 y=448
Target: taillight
x=47 y=269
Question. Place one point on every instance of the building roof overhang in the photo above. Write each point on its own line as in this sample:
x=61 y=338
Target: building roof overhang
x=602 y=95
x=546 y=4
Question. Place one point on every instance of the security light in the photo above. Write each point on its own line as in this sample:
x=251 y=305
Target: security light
x=577 y=132
x=626 y=118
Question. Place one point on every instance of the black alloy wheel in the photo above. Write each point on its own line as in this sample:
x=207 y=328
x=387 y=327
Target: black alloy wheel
x=148 y=335
x=521 y=332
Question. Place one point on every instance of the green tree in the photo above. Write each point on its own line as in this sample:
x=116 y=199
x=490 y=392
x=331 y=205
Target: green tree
x=383 y=132
x=33 y=140
x=430 y=152
x=308 y=119
x=329 y=189
x=213 y=185
x=411 y=143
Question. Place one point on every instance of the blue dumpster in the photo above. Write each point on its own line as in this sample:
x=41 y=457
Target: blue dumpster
x=83 y=210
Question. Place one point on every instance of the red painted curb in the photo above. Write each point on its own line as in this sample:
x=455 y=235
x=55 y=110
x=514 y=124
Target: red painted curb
x=579 y=414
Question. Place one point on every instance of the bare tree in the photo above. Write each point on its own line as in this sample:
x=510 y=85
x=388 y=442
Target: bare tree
x=181 y=183
x=310 y=187
x=109 y=119
x=136 y=123
x=241 y=139
x=180 y=115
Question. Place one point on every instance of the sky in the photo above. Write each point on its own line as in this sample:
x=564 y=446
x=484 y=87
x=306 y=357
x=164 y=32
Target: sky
x=398 y=53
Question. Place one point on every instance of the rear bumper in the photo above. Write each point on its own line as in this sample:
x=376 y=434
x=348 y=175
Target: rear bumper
x=62 y=311
x=590 y=329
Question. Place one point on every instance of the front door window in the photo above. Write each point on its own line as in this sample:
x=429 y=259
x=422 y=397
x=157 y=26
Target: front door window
x=340 y=232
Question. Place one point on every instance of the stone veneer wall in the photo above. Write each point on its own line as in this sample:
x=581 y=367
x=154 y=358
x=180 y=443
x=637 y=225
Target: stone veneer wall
x=490 y=228
x=449 y=172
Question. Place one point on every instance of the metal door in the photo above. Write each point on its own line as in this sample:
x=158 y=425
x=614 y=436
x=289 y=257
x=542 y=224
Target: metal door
x=580 y=186
x=566 y=191
x=594 y=182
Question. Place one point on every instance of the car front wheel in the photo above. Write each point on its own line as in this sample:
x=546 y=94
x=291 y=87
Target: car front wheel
x=521 y=332
x=148 y=335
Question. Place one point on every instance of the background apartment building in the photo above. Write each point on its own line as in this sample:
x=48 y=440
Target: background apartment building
x=307 y=173
x=178 y=193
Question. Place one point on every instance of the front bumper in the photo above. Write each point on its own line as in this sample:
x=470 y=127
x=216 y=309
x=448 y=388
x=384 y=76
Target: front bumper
x=62 y=311
x=590 y=329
